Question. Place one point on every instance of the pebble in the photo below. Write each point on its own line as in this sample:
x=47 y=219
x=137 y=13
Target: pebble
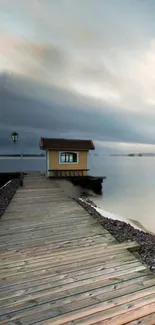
x=123 y=232
x=6 y=194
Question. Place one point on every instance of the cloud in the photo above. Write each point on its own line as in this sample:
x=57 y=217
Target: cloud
x=33 y=117
x=78 y=69
x=109 y=147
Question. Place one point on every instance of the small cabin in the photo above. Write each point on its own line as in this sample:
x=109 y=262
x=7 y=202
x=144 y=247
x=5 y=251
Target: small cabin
x=66 y=157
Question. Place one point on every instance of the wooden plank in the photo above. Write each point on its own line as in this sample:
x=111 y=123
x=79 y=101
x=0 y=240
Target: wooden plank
x=45 y=226
x=46 y=247
x=38 y=223
x=107 y=310
x=44 y=282
x=31 y=203
x=48 y=255
x=43 y=195
x=28 y=220
x=43 y=233
x=39 y=243
x=58 y=286
x=84 y=273
x=66 y=254
x=62 y=228
x=40 y=198
x=101 y=294
x=70 y=303
x=146 y=320
x=135 y=314
x=40 y=265
x=55 y=298
x=48 y=213
x=40 y=205
x=60 y=266
x=88 y=287
x=44 y=207
x=60 y=243
x=48 y=272
x=47 y=239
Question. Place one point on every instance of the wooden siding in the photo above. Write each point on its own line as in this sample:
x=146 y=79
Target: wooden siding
x=59 y=266
x=54 y=162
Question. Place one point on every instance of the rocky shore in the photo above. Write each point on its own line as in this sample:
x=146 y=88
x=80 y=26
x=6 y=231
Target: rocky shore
x=6 y=194
x=123 y=231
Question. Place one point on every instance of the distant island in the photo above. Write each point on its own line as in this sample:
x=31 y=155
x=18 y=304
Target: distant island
x=141 y=154
x=134 y=155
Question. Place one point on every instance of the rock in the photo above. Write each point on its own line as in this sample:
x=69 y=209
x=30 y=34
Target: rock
x=123 y=232
x=7 y=193
x=152 y=268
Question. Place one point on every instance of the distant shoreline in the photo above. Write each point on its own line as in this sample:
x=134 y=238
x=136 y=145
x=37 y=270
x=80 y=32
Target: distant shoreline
x=19 y=157
x=134 y=155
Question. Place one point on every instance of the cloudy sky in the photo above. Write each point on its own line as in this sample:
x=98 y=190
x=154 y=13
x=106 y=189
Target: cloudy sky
x=78 y=69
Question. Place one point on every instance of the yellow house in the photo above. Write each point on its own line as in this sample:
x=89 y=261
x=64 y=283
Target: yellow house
x=65 y=157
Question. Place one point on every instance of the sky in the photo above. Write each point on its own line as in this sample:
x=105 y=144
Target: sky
x=78 y=69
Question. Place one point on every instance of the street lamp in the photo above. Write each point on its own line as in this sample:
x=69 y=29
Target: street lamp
x=15 y=137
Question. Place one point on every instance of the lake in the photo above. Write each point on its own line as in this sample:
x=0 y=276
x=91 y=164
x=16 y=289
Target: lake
x=128 y=191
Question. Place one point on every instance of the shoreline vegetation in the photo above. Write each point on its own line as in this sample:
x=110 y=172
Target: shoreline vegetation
x=123 y=232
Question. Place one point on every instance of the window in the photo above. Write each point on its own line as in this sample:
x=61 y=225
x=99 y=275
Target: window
x=68 y=157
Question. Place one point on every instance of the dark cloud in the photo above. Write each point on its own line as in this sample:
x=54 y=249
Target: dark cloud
x=33 y=118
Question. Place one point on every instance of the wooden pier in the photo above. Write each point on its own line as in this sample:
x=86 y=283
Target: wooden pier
x=59 y=266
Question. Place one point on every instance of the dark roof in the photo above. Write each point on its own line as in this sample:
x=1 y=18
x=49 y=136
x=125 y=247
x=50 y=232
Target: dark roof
x=66 y=144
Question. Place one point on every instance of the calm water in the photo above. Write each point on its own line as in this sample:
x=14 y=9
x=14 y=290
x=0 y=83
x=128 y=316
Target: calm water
x=129 y=189
x=27 y=164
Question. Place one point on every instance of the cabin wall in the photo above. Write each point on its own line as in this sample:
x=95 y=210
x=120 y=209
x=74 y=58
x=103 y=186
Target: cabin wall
x=53 y=157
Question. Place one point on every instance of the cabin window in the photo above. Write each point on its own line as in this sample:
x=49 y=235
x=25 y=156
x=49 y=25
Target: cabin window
x=68 y=157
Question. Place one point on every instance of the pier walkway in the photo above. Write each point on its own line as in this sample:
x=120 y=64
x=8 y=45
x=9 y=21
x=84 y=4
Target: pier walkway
x=59 y=266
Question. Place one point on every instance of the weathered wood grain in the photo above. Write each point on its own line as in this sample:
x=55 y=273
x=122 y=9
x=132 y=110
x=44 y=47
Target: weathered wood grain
x=59 y=266
x=146 y=320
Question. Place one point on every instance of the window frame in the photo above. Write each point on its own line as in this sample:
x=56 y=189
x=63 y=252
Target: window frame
x=68 y=163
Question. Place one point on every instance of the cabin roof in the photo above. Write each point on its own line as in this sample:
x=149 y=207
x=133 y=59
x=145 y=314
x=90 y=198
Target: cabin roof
x=66 y=144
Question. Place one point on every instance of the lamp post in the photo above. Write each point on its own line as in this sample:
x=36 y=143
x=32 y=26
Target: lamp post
x=15 y=137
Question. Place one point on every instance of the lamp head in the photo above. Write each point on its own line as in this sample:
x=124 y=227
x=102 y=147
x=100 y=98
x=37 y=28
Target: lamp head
x=14 y=137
